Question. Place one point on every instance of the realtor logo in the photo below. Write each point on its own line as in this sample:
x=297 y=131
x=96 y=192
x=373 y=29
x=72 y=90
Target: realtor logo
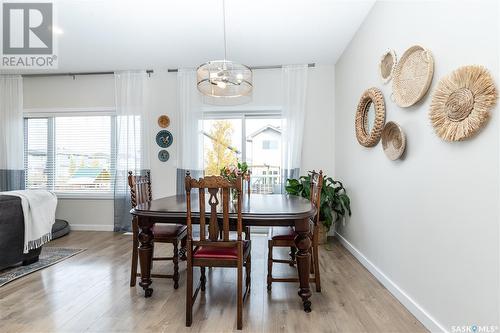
x=27 y=35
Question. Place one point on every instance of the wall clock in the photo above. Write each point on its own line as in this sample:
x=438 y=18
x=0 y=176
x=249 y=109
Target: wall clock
x=164 y=139
x=163 y=155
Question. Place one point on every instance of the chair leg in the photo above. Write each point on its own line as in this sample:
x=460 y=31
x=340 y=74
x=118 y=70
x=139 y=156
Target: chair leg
x=135 y=256
x=189 y=293
x=239 y=295
x=182 y=251
x=317 y=278
x=176 y=264
x=203 y=278
x=293 y=251
x=269 y=265
x=248 y=272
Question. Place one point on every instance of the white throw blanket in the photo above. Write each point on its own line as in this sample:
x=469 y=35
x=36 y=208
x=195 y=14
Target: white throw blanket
x=39 y=210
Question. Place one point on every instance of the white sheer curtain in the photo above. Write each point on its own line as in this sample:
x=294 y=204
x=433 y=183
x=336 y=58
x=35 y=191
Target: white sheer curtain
x=294 y=90
x=190 y=141
x=11 y=133
x=132 y=139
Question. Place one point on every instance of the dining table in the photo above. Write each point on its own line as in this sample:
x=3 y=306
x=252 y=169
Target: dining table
x=268 y=210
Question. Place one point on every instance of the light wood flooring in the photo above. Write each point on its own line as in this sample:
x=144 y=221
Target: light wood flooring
x=90 y=293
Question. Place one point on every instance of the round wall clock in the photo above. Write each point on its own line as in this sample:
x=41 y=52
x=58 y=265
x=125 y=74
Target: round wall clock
x=164 y=138
x=163 y=121
x=163 y=155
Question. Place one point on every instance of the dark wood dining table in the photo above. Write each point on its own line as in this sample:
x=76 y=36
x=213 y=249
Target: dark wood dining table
x=257 y=210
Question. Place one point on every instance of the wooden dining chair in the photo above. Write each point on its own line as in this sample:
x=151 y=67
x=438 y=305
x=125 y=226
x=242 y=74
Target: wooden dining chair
x=140 y=192
x=285 y=237
x=212 y=251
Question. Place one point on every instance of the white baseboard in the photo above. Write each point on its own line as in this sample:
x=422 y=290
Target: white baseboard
x=92 y=227
x=425 y=318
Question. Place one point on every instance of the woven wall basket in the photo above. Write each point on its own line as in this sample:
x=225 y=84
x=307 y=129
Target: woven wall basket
x=387 y=65
x=372 y=95
x=462 y=102
x=393 y=140
x=412 y=76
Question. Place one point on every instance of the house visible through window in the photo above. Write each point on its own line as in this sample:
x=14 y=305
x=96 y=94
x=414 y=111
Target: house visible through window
x=243 y=137
x=70 y=154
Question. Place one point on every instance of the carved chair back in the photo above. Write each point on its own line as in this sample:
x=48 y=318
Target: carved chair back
x=140 y=188
x=316 y=186
x=217 y=189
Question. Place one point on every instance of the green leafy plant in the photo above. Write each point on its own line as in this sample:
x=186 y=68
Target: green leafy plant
x=334 y=198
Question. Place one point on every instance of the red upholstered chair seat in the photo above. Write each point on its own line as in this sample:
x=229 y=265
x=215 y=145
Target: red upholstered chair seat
x=212 y=252
x=283 y=233
x=168 y=230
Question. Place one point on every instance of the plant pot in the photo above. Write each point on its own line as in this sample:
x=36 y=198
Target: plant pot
x=322 y=233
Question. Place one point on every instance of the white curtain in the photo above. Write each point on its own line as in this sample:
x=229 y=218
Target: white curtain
x=189 y=138
x=132 y=139
x=11 y=133
x=294 y=95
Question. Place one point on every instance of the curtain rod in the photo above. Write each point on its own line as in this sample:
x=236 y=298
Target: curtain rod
x=175 y=70
x=148 y=71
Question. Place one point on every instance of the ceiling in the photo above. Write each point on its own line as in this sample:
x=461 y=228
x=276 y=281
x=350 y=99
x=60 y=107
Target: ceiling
x=103 y=35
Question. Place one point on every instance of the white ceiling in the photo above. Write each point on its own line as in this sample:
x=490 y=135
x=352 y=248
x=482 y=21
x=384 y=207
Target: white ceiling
x=101 y=35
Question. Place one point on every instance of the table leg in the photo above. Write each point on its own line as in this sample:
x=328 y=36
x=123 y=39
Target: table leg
x=303 y=244
x=145 y=253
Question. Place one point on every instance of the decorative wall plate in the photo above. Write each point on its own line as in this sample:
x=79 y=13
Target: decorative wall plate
x=462 y=102
x=412 y=76
x=393 y=141
x=387 y=65
x=366 y=136
x=163 y=155
x=163 y=121
x=164 y=138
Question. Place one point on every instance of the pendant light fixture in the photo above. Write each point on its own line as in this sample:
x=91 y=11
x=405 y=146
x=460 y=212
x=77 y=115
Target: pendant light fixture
x=224 y=78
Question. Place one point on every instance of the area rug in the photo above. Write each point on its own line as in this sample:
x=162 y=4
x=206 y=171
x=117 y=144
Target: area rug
x=48 y=257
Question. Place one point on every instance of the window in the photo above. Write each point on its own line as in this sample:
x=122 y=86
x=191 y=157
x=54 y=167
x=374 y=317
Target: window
x=245 y=137
x=269 y=144
x=70 y=154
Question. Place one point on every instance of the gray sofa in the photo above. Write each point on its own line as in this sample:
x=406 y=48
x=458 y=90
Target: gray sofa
x=12 y=234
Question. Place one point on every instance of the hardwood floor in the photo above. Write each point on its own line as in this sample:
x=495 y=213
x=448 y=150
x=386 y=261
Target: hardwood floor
x=90 y=293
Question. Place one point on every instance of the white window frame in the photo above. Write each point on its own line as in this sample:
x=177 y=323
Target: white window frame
x=214 y=113
x=242 y=113
x=51 y=113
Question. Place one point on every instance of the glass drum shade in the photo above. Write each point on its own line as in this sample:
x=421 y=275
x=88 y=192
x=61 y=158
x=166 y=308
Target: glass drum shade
x=223 y=78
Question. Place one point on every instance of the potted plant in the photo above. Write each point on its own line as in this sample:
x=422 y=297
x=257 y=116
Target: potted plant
x=334 y=205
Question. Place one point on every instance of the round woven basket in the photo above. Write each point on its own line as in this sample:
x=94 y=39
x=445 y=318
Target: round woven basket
x=393 y=140
x=372 y=95
x=412 y=76
x=461 y=103
x=387 y=65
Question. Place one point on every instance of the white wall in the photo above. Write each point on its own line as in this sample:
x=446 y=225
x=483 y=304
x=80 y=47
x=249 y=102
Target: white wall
x=98 y=91
x=428 y=224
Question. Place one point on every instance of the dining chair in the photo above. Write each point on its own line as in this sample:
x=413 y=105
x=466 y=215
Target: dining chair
x=212 y=251
x=285 y=237
x=140 y=192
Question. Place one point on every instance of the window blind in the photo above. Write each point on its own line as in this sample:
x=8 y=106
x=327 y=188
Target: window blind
x=70 y=154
